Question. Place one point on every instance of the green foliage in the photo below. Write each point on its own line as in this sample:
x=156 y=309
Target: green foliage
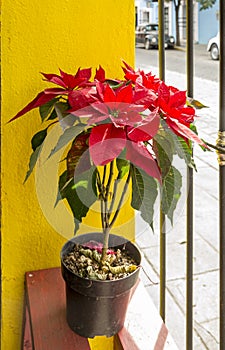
x=144 y=194
x=38 y=138
x=171 y=192
x=36 y=143
x=33 y=160
x=164 y=149
x=80 y=193
x=123 y=167
x=195 y=103
x=172 y=145
x=47 y=110
x=104 y=122
x=67 y=136
x=206 y=4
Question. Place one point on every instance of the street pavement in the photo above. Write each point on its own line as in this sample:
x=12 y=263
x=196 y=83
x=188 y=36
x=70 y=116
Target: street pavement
x=206 y=233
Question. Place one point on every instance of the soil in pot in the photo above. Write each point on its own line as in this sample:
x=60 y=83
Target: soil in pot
x=85 y=261
x=97 y=300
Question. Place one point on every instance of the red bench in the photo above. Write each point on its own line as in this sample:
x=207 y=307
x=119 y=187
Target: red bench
x=45 y=326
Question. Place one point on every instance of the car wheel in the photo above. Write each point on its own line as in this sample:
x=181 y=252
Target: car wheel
x=147 y=44
x=214 y=52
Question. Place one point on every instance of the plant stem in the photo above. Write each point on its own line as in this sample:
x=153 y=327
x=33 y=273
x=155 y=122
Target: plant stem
x=104 y=176
x=105 y=244
x=107 y=190
x=115 y=187
x=101 y=195
x=121 y=198
x=106 y=212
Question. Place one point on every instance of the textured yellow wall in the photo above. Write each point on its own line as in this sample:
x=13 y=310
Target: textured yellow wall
x=41 y=36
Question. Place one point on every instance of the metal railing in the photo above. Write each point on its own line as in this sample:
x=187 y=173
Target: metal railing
x=190 y=206
x=221 y=159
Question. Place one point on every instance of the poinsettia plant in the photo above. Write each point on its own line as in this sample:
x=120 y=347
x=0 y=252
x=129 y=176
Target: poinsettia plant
x=125 y=130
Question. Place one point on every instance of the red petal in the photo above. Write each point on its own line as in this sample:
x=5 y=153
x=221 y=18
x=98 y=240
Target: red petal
x=128 y=67
x=183 y=131
x=106 y=142
x=138 y=154
x=109 y=94
x=187 y=114
x=125 y=94
x=100 y=88
x=54 y=78
x=83 y=73
x=78 y=99
x=131 y=117
x=100 y=74
x=178 y=99
x=101 y=107
x=136 y=135
x=144 y=96
x=38 y=101
x=164 y=93
x=147 y=130
x=130 y=73
x=150 y=81
x=72 y=81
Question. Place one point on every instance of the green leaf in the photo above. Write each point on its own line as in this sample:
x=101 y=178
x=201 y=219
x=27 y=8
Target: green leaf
x=68 y=135
x=144 y=194
x=114 y=83
x=80 y=194
x=171 y=192
x=194 y=128
x=177 y=146
x=81 y=183
x=61 y=109
x=38 y=138
x=184 y=152
x=47 y=108
x=123 y=167
x=33 y=160
x=53 y=115
x=195 y=103
x=205 y=4
x=164 y=149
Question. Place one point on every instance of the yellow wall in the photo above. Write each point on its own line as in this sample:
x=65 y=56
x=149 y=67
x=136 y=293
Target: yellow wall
x=41 y=36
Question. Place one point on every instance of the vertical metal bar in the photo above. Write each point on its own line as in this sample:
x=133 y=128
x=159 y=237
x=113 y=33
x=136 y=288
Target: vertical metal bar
x=162 y=267
x=221 y=158
x=161 y=16
x=189 y=267
x=222 y=254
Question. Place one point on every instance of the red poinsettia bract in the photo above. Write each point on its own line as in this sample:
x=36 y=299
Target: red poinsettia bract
x=124 y=115
x=170 y=101
x=127 y=128
x=67 y=82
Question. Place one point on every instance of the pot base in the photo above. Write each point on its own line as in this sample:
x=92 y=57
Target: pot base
x=100 y=316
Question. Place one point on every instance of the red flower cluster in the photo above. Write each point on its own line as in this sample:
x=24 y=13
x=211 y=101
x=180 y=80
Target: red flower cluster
x=122 y=114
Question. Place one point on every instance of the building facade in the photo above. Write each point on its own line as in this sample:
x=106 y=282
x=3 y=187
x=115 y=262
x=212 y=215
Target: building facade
x=146 y=11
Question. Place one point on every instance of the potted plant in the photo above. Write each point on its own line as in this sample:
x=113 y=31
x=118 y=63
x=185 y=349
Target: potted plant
x=123 y=135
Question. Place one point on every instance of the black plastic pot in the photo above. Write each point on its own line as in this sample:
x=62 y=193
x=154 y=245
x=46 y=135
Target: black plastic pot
x=95 y=308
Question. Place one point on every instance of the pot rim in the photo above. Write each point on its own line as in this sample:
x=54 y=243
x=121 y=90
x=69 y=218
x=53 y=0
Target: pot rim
x=112 y=235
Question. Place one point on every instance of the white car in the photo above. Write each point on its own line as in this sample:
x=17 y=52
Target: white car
x=214 y=47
